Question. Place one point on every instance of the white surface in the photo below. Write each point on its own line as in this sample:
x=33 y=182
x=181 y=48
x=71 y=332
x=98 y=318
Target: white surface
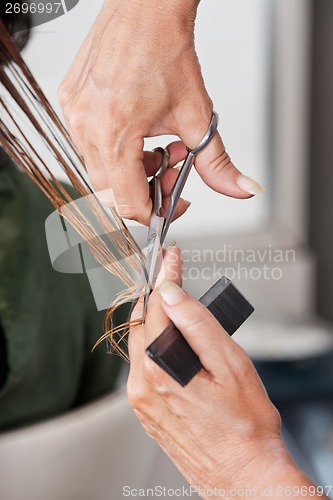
x=284 y=339
x=232 y=42
x=89 y=454
x=292 y=105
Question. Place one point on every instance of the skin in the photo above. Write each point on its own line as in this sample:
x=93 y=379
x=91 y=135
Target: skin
x=221 y=430
x=130 y=80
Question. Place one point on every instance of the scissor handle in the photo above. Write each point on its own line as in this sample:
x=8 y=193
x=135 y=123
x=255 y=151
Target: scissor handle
x=184 y=173
x=156 y=181
x=164 y=163
x=212 y=129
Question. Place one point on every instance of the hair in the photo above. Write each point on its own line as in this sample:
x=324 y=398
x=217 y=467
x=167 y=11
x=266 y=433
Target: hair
x=25 y=111
x=18 y=24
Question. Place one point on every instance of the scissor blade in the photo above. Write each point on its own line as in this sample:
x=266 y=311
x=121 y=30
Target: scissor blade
x=154 y=258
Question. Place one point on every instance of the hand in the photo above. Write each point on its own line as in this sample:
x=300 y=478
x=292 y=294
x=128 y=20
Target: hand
x=221 y=430
x=137 y=75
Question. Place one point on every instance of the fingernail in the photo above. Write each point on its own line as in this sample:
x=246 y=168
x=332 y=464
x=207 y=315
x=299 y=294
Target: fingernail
x=249 y=185
x=171 y=293
x=188 y=204
x=173 y=248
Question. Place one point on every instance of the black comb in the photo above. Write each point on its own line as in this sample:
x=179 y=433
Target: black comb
x=171 y=351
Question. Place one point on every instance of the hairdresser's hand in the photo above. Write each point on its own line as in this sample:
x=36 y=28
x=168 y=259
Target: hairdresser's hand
x=221 y=430
x=137 y=75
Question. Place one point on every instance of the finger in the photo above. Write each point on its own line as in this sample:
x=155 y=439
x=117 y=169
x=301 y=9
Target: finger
x=136 y=348
x=97 y=176
x=118 y=169
x=181 y=208
x=141 y=336
x=199 y=327
x=172 y=267
x=168 y=180
x=152 y=159
x=218 y=171
x=171 y=270
x=213 y=163
x=167 y=183
x=127 y=178
x=157 y=320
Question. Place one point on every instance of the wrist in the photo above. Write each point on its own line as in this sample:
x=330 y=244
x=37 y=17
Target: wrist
x=181 y=10
x=265 y=468
x=275 y=474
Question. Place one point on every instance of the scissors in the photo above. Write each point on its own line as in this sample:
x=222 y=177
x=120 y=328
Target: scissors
x=160 y=220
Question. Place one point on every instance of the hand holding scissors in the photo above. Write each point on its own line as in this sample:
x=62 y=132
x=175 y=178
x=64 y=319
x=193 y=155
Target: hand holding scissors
x=160 y=220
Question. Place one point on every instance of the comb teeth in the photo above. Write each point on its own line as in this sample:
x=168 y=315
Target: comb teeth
x=171 y=351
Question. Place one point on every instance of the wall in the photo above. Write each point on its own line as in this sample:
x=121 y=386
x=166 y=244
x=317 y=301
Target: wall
x=233 y=46
x=321 y=181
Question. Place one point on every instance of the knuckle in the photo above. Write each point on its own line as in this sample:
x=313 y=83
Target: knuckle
x=99 y=182
x=241 y=365
x=147 y=425
x=142 y=419
x=275 y=416
x=194 y=318
x=63 y=94
x=152 y=371
x=204 y=109
x=76 y=121
x=198 y=111
x=220 y=163
x=137 y=395
x=149 y=428
x=127 y=212
x=139 y=213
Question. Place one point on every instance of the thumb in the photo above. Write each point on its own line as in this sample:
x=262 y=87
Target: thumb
x=214 y=164
x=198 y=326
